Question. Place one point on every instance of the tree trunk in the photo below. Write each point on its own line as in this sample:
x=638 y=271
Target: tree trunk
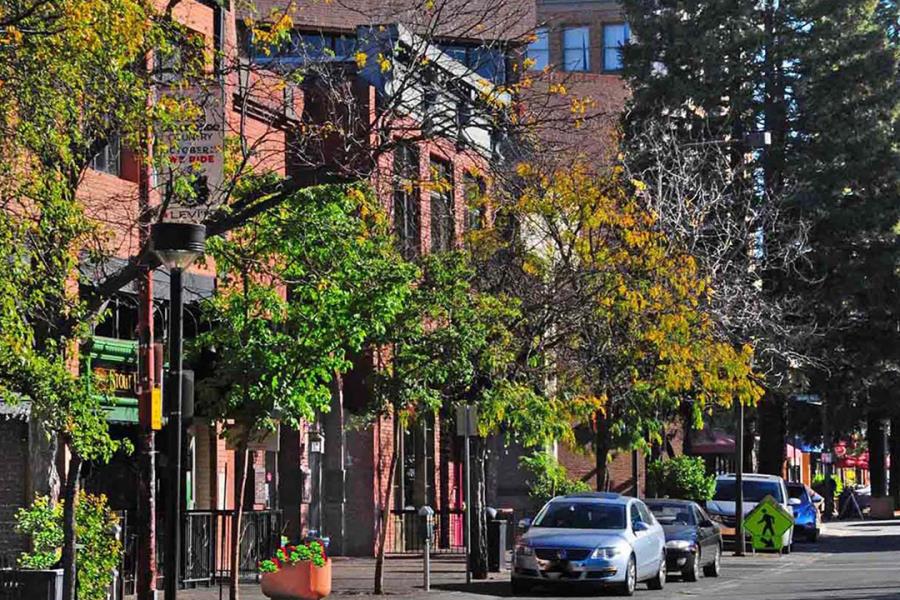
x=895 y=460
x=479 y=549
x=240 y=486
x=875 y=439
x=385 y=514
x=771 y=435
x=70 y=497
x=602 y=445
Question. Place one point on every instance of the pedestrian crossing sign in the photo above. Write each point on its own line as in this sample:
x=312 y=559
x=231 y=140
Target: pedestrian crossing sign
x=767 y=524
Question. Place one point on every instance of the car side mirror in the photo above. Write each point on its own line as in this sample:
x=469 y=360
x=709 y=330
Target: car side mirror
x=794 y=502
x=524 y=523
x=640 y=527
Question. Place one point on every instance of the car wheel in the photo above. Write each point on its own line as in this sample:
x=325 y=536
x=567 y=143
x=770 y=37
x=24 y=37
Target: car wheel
x=519 y=587
x=787 y=549
x=691 y=571
x=715 y=567
x=659 y=582
x=626 y=588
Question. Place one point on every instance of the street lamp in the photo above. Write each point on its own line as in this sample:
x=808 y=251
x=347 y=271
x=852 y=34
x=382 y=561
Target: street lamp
x=316 y=445
x=176 y=245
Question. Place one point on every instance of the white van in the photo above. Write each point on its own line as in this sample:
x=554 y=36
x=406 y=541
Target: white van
x=756 y=487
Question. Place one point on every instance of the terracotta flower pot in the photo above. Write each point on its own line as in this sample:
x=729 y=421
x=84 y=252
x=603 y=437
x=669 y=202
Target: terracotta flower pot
x=300 y=581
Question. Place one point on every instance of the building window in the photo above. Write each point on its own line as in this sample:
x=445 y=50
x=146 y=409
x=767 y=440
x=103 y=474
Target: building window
x=539 y=49
x=488 y=62
x=614 y=37
x=576 y=49
x=474 y=190
x=442 y=219
x=108 y=160
x=315 y=46
x=406 y=199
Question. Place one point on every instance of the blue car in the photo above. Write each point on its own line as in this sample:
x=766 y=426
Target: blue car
x=591 y=538
x=806 y=513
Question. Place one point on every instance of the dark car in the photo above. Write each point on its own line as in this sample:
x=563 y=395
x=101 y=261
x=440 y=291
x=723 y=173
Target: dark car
x=806 y=514
x=693 y=541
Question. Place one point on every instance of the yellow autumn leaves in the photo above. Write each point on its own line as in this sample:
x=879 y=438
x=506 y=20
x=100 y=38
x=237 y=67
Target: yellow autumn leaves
x=648 y=296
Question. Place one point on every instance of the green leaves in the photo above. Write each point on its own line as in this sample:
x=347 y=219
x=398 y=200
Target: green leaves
x=547 y=478
x=99 y=552
x=302 y=287
x=681 y=477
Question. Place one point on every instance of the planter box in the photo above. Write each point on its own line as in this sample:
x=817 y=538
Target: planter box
x=26 y=584
x=302 y=581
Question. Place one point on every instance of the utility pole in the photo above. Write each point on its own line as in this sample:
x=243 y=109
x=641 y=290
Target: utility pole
x=148 y=394
x=739 y=482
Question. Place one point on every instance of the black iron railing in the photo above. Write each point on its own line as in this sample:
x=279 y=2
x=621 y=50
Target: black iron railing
x=206 y=539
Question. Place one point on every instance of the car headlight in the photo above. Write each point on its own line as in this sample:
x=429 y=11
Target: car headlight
x=605 y=552
x=524 y=550
x=680 y=545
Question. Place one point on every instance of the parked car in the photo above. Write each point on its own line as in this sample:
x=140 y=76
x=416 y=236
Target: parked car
x=693 y=541
x=756 y=487
x=598 y=538
x=806 y=514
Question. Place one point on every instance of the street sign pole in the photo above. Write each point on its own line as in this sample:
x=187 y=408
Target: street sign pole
x=739 y=482
x=468 y=502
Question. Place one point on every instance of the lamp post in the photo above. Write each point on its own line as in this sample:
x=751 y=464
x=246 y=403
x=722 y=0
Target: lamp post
x=176 y=245
x=316 y=449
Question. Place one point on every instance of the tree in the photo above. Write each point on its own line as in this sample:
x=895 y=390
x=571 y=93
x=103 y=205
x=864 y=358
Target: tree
x=822 y=80
x=302 y=287
x=456 y=344
x=620 y=312
x=69 y=85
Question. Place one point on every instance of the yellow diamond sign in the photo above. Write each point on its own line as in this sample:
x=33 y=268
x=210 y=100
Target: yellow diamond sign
x=767 y=524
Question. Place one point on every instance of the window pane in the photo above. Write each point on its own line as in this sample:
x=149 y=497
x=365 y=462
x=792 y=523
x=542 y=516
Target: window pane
x=474 y=190
x=457 y=53
x=108 y=159
x=576 y=49
x=406 y=199
x=614 y=37
x=539 y=50
x=490 y=63
x=442 y=218
x=344 y=47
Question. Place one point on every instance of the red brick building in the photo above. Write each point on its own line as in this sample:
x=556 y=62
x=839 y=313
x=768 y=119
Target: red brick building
x=341 y=492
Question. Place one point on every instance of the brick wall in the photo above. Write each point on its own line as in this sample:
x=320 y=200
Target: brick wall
x=558 y=15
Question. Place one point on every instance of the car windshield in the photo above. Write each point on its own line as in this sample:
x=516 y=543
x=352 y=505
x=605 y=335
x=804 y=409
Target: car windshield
x=581 y=515
x=672 y=514
x=754 y=491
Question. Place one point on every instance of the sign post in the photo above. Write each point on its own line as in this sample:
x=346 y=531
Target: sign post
x=466 y=426
x=767 y=523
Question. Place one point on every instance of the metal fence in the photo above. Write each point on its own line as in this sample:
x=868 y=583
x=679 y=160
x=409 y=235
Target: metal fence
x=449 y=531
x=206 y=540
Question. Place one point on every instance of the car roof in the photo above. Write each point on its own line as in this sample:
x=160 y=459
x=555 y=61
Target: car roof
x=606 y=497
x=672 y=501
x=750 y=477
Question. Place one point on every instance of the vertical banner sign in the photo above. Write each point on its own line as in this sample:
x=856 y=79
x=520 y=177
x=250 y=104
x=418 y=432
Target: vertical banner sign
x=191 y=165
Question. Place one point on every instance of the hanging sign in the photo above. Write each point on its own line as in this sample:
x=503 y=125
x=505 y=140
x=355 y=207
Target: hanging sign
x=191 y=168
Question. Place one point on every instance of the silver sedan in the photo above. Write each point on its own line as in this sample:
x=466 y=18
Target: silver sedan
x=599 y=538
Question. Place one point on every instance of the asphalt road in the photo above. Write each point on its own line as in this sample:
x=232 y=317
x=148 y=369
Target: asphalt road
x=851 y=561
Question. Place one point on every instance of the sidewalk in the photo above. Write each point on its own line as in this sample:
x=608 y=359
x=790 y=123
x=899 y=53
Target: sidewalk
x=353 y=578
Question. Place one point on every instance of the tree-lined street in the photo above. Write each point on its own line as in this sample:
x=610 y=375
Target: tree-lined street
x=852 y=561
x=297 y=292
